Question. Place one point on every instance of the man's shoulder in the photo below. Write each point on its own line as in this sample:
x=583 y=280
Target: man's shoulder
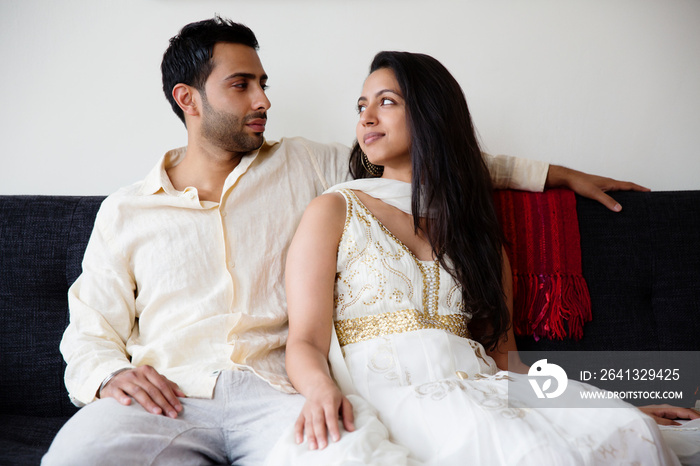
x=124 y=194
x=313 y=148
x=120 y=202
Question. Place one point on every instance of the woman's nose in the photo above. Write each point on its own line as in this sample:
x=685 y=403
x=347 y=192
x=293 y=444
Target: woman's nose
x=367 y=117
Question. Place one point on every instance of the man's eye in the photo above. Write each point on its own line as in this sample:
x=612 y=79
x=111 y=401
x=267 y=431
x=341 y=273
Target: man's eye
x=240 y=85
x=264 y=87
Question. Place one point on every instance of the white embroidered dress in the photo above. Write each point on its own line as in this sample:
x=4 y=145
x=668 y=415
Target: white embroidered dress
x=407 y=352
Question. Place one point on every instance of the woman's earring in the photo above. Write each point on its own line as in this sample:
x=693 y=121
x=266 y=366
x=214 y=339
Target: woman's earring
x=372 y=169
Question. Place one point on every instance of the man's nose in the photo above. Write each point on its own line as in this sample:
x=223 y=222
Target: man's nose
x=260 y=100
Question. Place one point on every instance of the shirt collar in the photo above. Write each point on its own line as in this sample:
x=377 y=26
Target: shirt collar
x=158 y=180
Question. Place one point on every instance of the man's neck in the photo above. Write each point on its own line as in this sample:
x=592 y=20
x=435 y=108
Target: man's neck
x=206 y=168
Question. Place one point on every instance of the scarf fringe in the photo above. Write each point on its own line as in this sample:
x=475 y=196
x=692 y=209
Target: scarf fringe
x=556 y=305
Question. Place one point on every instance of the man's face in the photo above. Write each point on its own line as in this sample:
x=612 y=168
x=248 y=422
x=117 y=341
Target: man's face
x=234 y=103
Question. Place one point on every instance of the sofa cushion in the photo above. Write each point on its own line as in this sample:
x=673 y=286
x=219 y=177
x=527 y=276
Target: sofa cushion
x=675 y=295
x=42 y=242
x=25 y=439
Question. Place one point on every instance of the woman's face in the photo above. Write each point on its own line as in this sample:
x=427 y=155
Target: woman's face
x=382 y=130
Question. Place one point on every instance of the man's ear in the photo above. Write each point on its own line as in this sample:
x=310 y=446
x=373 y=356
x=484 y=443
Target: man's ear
x=187 y=98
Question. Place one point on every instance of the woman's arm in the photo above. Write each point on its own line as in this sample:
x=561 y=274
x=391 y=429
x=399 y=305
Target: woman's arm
x=507 y=342
x=310 y=279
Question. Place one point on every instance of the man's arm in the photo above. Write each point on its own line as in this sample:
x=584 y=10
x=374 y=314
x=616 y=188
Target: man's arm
x=102 y=318
x=532 y=175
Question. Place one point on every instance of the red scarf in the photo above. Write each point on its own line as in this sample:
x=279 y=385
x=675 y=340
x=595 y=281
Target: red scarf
x=550 y=295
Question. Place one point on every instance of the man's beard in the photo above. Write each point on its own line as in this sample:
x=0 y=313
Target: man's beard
x=228 y=131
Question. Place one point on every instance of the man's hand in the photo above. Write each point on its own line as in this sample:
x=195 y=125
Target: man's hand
x=590 y=186
x=665 y=414
x=151 y=390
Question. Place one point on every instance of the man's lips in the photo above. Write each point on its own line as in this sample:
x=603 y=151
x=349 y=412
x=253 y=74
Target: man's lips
x=371 y=137
x=257 y=125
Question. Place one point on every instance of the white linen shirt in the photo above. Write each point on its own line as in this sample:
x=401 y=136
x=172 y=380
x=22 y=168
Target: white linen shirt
x=193 y=287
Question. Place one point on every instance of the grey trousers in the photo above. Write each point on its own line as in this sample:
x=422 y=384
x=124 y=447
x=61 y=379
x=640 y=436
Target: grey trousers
x=239 y=426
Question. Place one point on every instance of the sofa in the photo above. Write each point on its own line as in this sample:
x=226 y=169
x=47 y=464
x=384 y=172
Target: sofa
x=642 y=267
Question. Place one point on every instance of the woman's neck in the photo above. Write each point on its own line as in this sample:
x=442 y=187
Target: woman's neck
x=400 y=174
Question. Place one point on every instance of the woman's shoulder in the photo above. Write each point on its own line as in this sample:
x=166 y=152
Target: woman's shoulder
x=328 y=207
x=328 y=202
x=323 y=218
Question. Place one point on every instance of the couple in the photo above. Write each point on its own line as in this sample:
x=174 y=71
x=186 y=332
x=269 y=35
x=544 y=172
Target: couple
x=178 y=323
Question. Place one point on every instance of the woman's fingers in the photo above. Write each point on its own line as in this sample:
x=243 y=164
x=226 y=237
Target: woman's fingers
x=347 y=415
x=319 y=420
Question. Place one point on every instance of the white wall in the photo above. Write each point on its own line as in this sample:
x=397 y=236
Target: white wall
x=606 y=86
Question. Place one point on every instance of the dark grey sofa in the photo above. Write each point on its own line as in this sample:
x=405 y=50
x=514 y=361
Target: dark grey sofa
x=642 y=267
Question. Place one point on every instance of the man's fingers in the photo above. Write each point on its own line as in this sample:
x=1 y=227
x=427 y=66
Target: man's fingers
x=143 y=397
x=145 y=385
x=595 y=193
x=608 y=201
x=162 y=393
x=626 y=186
x=117 y=394
x=176 y=389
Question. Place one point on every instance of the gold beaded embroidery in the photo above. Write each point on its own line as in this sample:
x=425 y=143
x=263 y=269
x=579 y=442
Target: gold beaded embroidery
x=368 y=254
x=431 y=278
x=402 y=276
x=454 y=298
x=407 y=320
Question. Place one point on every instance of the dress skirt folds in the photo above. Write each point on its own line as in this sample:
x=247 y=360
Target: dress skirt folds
x=424 y=392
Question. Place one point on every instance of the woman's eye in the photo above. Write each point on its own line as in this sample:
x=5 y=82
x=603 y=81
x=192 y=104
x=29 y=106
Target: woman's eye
x=361 y=108
x=387 y=101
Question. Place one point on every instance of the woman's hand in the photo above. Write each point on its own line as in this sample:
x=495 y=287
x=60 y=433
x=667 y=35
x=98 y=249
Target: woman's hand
x=319 y=416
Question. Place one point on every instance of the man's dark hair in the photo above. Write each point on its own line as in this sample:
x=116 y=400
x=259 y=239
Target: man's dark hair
x=188 y=59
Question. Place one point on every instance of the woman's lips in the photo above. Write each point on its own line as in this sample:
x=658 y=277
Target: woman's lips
x=371 y=137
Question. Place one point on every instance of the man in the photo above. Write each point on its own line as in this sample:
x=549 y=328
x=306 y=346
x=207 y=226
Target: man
x=178 y=321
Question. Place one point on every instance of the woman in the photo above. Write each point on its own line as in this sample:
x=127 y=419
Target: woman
x=406 y=265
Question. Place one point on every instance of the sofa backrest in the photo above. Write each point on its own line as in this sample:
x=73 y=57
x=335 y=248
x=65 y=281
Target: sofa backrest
x=642 y=267
x=42 y=240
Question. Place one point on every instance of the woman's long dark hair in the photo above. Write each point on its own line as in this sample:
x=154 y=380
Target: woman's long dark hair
x=450 y=178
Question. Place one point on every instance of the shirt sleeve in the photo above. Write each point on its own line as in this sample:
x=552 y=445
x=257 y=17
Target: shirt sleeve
x=516 y=173
x=102 y=315
x=330 y=162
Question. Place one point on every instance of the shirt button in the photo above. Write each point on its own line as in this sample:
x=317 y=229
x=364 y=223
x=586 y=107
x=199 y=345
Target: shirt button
x=462 y=375
x=215 y=373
